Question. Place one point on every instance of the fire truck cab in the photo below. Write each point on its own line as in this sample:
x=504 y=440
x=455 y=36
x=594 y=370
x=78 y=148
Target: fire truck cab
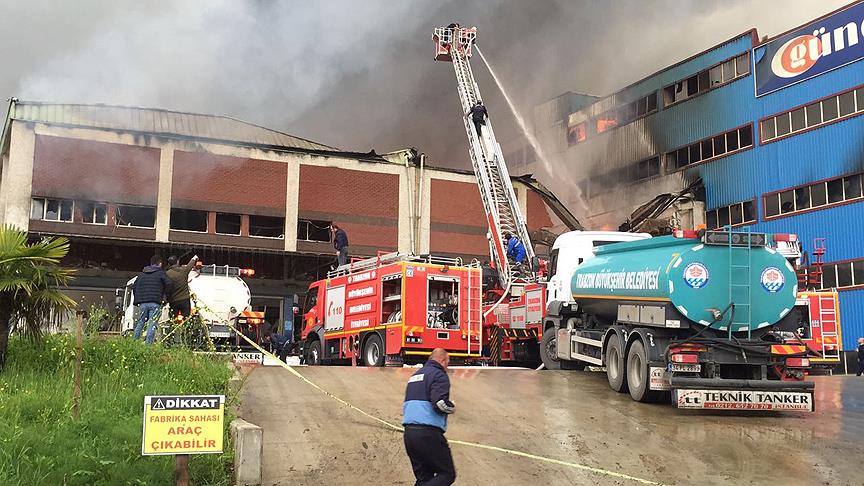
x=393 y=309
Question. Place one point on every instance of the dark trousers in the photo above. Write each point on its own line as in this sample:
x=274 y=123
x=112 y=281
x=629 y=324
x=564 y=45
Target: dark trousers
x=860 y=368
x=477 y=126
x=343 y=256
x=430 y=456
x=183 y=307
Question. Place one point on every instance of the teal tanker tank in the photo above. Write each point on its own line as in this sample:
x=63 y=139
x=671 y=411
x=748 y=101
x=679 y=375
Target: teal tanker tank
x=699 y=280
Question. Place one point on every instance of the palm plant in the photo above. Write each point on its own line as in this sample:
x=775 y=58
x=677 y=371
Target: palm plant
x=30 y=278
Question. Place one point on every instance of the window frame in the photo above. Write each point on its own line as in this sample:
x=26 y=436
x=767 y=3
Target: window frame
x=827 y=204
x=858 y=105
x=95 y=204
x=728 y=208
x=834 y=269
x=685 y=81
x=284 y=229
x=727 y=153
x=216 y=224
x=60 y=202
x=312 y=223
x=118 y=207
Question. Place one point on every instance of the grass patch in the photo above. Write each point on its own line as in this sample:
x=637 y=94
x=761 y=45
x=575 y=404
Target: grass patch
x=41 y=444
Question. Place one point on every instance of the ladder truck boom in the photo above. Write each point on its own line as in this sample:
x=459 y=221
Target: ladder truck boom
x=454 y=44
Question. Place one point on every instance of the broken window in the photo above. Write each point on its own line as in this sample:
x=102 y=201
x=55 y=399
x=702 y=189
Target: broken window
x=228 y=224
x=772 y=205
x=787 y=202
x=313 y=230
x=852 y=186
x=802 y=198
x=138 y=216
x=723 y=216
x=607 y=121
x=51 y=209
x=189 y=220
x=749 y=208
x=576 y=133
x=93 y=212
x=266 y=226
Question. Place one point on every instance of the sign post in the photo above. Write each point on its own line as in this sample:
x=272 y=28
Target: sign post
x=183 y=425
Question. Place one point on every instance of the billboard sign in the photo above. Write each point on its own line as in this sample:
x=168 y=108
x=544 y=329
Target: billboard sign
x=807 y=52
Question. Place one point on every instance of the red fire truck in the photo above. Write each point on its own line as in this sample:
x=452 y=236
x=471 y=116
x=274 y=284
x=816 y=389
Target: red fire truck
x=392 y=309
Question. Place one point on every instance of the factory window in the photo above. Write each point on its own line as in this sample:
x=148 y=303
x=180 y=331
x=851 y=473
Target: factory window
x=266 y=227
x=814 y=196
x=577 y=133
x=706 y=80
x=733 y=214
x=820 y=112
x=93 y=212
x=606 y=121
x=711 y=148
x=843 y=274
x=189 y=220
x=51 y=209
x=313 y=230
x=228 y=224
x=645 y=169
x=138 y=216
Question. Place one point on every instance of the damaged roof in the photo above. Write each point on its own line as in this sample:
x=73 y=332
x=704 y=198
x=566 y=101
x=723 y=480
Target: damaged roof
x=158 y=122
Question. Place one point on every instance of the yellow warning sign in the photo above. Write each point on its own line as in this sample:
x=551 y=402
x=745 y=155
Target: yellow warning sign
x=183 y=424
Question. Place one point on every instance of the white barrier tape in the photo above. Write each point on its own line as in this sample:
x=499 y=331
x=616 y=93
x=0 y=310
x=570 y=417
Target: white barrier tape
x=398 y=428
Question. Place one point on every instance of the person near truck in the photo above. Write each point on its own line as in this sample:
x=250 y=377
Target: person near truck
x=860 y=356
x=178 y=301
x=425 y=410
x=150 y=289
x=478 y=116
x=515 y=249
x=340 y=243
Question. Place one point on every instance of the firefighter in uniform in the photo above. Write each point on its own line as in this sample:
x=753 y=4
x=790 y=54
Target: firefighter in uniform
x=427 y=405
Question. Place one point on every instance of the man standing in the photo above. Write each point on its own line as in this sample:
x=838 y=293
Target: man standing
x=860 y=356
x=427 y=405
x=150 y=289
x=179 y=276
x=478 y=116
x=340 y=242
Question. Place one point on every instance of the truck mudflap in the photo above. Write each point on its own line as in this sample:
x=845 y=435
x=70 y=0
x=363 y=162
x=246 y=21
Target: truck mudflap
x=725 y=394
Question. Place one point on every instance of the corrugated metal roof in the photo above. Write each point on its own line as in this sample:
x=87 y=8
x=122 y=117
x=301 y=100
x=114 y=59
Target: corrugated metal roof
x=159 y=122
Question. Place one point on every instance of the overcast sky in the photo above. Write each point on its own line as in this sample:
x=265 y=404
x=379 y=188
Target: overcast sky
x=356 y=74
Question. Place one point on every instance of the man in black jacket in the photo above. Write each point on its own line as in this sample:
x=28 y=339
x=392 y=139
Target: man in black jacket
x=340 y=243
x=478 y=116
x=427 y=405
x=860 y=356
x=150 y=289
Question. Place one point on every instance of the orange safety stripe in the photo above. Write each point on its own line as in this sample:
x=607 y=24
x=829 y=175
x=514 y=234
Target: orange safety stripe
x=788 y=349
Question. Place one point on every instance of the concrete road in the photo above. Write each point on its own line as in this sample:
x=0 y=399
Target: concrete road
x=572 y=416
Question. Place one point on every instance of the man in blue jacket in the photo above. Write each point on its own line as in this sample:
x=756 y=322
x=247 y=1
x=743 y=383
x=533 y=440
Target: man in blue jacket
x=150 y=290
x=427 y=405
x=515 y=248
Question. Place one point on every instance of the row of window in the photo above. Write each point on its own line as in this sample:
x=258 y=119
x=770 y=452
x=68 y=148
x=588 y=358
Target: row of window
x=813 y=115
x=844 y=274
x=818 y=194
x=621 y=115
x=733 y=214
x=644 y=169
x=62 y=210
x=708 y=79
x=711 y=148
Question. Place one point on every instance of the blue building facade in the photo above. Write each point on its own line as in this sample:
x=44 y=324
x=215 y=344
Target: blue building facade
x=790 y=160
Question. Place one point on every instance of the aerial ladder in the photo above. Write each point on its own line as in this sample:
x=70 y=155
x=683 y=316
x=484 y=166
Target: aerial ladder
x=454 y=44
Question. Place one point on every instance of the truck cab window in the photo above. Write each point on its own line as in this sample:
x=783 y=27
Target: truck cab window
x=310 y=300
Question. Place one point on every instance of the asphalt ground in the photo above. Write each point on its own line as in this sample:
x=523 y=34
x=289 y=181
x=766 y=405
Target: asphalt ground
x=569 y=416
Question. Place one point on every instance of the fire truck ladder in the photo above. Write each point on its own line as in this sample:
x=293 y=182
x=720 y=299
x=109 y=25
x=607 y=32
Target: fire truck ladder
x=828 y=320
x=496 y=190
x=475 y=310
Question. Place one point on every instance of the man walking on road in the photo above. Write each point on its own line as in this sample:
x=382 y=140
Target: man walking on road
x=150 y=289
x=860 y=356
x=179 y=276
x=427 y=405
x=340 y=242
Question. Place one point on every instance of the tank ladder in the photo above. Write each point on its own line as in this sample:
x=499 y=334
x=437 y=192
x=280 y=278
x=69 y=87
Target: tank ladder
x=740 y=291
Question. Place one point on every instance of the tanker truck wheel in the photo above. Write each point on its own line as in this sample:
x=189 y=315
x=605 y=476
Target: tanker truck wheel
x=549 y=350
x=638 y=374
x=373 y=351
x=615 y=365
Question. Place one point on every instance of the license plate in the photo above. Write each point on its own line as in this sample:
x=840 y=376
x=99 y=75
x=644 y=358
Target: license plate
x=686 y=368
x=744 y=400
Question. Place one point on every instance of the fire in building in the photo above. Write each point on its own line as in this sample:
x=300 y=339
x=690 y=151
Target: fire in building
x=759 y=134
x=123 y=183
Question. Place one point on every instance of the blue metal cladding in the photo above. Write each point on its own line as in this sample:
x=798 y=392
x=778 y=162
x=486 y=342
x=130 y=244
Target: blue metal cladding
x=851 y=317
x=841 y=226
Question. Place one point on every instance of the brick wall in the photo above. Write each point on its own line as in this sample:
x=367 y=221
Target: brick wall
x=365 y=204
x=538 y=214
x=230 y=184
x=98 y=171
x=458 y=221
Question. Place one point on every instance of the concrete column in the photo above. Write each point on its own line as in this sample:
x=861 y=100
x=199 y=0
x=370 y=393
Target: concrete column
x=522 y=199
x=292 y=203
x=425 y=211
x=248 y=448
x=4 y=171
x=407 y=198
x=163 y=200
x=17 y=181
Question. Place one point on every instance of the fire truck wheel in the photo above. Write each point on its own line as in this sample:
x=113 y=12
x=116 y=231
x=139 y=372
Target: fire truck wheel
x=313 y=356
x=549 y=350
x=373 y=351
x=615 y=365
x=638 y=375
